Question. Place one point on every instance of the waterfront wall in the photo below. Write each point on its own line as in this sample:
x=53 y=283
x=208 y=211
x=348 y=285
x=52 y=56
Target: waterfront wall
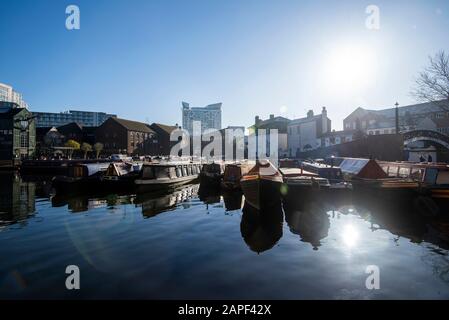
x=387 y=147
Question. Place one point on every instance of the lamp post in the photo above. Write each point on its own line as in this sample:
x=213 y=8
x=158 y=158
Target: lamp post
x=397 y=117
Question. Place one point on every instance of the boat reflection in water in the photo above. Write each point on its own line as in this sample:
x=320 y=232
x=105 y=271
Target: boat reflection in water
x=418 y=219
x=262 y=229
x=77 y=203
x=233 y=200
x=155 y=203
x=209 y=195
x=310 y=221
x=152 y=203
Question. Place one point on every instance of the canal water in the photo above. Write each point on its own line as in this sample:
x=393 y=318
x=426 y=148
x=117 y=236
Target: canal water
x=191 y=245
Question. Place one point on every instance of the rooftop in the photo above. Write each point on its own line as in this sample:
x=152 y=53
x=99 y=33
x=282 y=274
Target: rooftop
x=132 y=125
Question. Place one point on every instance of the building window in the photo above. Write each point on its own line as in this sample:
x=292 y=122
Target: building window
x=24 y=139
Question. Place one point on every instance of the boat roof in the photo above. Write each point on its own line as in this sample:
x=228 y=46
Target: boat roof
x=293 y=172
x=421 y=165
x=169 y=164
x=319 y=165
x=362 y=168
x=264 y=168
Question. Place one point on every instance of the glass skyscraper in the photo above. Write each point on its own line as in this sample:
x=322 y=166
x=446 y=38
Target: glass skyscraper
x=210 y=117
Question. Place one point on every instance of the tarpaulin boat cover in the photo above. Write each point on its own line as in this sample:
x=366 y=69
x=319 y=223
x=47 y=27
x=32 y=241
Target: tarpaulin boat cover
x=362 y=168
x=93 y=168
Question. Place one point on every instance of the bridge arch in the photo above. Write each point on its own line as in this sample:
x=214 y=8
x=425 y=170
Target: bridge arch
x=426 y=135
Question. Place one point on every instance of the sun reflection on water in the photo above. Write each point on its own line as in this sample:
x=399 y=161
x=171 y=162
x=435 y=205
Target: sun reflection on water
x=350 y=236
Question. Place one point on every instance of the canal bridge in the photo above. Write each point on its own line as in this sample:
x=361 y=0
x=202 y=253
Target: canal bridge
x=426 y=135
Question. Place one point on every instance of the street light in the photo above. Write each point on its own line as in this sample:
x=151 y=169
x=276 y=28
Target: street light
x=397 y=117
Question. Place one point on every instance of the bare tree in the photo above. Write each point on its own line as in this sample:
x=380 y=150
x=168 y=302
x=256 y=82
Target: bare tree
x=432 y=83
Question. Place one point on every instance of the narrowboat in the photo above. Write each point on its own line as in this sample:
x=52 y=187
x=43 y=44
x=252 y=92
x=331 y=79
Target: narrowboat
x=156 y=176
x=262 y=184
x=211 y=175
x=80 y=177
x=233 y=174
x=300 y=178
x=301 y=186
x=432 y=178
x=329 y=172
x=121 y=175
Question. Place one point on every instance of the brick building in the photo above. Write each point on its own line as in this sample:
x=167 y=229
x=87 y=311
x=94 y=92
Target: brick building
x=127 y=136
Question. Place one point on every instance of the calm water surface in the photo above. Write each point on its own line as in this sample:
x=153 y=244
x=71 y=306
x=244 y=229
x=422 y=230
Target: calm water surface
x=181 y=245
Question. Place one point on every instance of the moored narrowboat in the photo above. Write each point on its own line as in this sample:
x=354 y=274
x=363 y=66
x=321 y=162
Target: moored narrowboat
x=233 y=174
x=261 y=186
x=80 y=177
x=121 y=175
x=330 y=172
x=167 y=175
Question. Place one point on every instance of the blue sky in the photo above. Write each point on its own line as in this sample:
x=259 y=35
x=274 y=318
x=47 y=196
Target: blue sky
x=140 y=59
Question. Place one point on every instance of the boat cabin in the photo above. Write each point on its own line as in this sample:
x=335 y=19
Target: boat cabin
x=169 y=171
x=118 y=169
x=428 y=173
x=82 y=170
x=332 y=173
x=362 y=169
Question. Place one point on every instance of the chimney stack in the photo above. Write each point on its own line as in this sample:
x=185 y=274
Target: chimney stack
x=271 y=116
x=324 y=111
x=310 y=114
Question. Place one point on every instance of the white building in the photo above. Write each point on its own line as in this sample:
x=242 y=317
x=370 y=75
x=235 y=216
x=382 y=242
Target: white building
x=430 y=116
x=8 y=94
x=305 y=134
x=210 y=117
x=336 y=137
x=272 y=123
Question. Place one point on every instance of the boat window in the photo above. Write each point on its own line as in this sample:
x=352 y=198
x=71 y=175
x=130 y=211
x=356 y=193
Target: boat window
x=431 y=176
x=189 y=170
x=416 y=174
x=178 y=172
x=172 y=172
x=198 y=168
x=393 y=171
x=161 y=173
x=404 y=172
x=443 y=177
x=194 y=168
x=148 y=173
x=184 y=171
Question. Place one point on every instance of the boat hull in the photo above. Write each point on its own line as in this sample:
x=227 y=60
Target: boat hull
x=261 y=192
x=119 y=183
x=64 y=184
x=143 y=185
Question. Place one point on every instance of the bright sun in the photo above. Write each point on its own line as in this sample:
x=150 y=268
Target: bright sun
x=350 y=68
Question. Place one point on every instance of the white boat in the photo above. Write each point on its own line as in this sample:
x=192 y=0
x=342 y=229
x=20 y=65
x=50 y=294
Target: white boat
x=155 y=176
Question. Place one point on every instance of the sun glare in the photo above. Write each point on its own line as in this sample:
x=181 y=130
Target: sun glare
x=350 y=68
x=350 y=236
